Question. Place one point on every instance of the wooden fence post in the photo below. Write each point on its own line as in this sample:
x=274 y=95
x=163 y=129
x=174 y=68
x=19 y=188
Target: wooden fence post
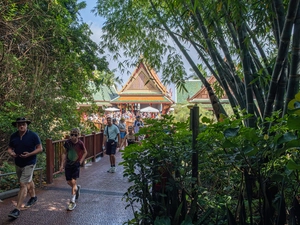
x=84 y=142
x=49 y=161
x=94 y=147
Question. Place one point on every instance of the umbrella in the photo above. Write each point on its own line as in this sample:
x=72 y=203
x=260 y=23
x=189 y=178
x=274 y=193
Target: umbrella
x=111 y=109
x=149 y=109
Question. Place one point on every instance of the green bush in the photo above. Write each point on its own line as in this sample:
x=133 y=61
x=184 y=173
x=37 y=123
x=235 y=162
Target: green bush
x=240 y=170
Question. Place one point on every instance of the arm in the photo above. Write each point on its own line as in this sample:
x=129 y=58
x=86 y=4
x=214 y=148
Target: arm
x=37 y=150
x=104 y=140
x=11 y=152
x=63 y=161
x=119 y=140
x=84 y=154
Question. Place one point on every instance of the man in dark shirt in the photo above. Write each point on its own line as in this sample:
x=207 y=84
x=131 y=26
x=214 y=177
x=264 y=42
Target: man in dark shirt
x=73 y=156
x=23 y=146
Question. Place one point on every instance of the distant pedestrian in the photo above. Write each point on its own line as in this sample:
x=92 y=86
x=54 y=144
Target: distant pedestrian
x=72 y=158
x=23 y=146
x=122 y=128
x=138 y=123
x=130 y=138
x=115 y=122
x=111 y=140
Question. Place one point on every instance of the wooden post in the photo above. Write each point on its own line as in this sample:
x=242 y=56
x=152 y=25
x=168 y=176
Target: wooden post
x=49 y=161
x=83 y=140
x=195 y=130
x=94 y=147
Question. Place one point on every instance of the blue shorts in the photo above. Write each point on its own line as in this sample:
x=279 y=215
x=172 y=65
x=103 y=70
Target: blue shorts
x=122 y=134
x=111 y=148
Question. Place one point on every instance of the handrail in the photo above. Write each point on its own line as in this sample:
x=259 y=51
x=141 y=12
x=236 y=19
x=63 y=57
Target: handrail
x=14 y=173
x=55 y=149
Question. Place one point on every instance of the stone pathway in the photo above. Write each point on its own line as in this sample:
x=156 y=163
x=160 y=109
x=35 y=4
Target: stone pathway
x=100 y=202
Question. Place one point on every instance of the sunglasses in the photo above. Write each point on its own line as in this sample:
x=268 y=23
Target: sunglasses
x=74 y=135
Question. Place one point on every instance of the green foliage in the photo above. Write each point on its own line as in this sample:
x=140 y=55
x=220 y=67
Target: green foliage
x=158 y=168
x=241 y=170
x=8 y=182
x=47 y=63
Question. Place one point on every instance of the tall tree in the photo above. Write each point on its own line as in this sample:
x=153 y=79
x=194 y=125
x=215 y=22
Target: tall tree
x=236 y=40
x=47 y=59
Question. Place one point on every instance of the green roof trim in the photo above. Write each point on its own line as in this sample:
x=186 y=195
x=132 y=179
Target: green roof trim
x=105 y=94
x=192 y=86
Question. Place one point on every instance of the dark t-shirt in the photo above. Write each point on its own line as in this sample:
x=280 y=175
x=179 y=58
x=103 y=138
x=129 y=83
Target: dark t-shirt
x=74 y=151
x=27 y=143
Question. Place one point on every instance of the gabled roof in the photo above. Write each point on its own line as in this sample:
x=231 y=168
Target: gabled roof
x=101 y=97
x=202 y=95
x=105 y=94
x=143 y=86
x=192 y=87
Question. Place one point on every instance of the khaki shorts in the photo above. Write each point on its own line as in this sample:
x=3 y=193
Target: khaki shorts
x=25 y=173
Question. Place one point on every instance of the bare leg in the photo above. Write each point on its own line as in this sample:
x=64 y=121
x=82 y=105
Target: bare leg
x=122 y=144
x=112 y=159
x=21 y=195
x=31 y=188
x=73 y=185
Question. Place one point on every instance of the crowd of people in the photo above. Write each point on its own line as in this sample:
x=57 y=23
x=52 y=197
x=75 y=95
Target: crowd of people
x=127 y=115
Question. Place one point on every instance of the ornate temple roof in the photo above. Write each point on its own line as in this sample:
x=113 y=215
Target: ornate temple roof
x=143 y=86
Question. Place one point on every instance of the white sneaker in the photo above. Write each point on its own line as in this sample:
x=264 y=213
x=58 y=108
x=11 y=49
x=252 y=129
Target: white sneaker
x=113 y=169
x=71 y=206
x=110 y=169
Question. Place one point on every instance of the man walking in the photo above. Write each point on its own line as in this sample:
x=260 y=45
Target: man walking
x=23 y=146
x=72 y=158
x=111 y=141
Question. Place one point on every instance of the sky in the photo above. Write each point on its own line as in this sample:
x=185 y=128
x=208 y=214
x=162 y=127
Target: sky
x=95 y=23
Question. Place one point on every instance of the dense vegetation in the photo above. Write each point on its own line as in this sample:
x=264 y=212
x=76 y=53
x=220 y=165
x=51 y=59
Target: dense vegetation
x=47 y=62
x=244 y=176
x=248 y=171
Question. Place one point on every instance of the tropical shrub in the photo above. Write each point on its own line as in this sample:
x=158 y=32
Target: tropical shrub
x=245 y=175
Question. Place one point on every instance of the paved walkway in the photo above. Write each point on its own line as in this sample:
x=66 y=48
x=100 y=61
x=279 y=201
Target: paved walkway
x=100 y=201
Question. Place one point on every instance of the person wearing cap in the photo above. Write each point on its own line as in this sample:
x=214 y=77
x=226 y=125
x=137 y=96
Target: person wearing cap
x=23 y=146
x=73 y=156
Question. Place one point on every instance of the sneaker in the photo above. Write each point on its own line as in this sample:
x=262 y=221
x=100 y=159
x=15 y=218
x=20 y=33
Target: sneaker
x=113 y=170
x=78 y=191
x=110 y=169
x=14 y=214
x=71 y=206
x=31 y=202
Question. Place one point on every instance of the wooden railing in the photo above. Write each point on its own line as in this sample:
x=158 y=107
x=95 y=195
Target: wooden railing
x=55 y=149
